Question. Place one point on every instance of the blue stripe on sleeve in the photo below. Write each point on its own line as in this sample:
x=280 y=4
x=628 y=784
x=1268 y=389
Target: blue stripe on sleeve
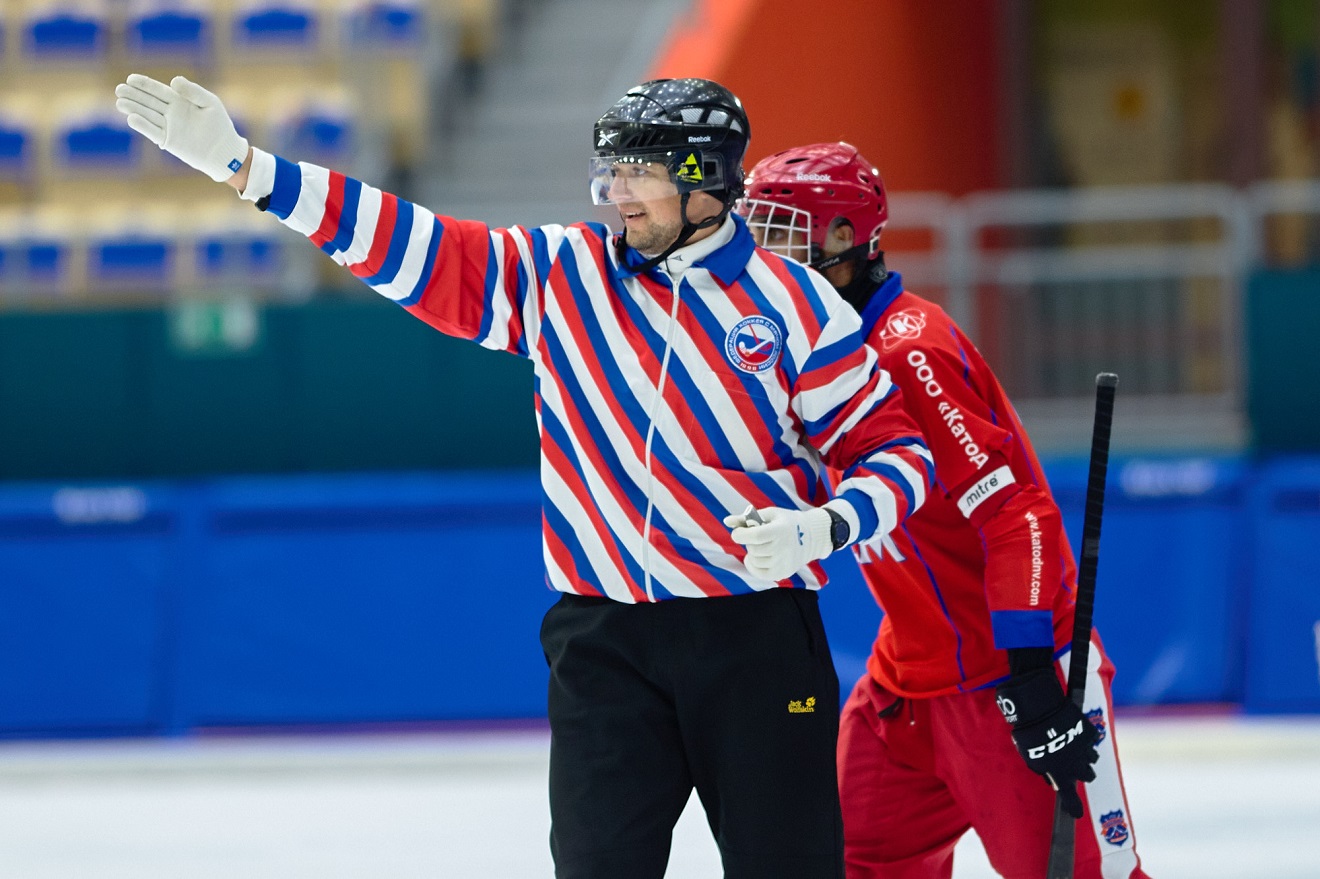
x=833 y=353
x=403 y=220
x=347 y=218
x=437 y=232
x=894 y=475
x=540 y=255
x=867 y=519
x=288 y=186
x=900 y=443
x=488 y=294
x=1022 y=628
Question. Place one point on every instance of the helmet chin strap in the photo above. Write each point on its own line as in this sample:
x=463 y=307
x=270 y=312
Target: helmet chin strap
x=857 y=251
x=689 y=229
x=865 y=282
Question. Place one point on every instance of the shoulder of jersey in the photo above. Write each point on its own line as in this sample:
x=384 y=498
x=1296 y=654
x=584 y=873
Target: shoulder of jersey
x=910 y=322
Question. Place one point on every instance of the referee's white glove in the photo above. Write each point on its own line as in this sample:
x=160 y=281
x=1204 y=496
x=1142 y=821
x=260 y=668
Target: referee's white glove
x=186 y=120
x=785 y=542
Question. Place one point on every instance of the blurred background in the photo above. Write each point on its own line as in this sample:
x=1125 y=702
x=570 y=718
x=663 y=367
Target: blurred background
x=239 y=493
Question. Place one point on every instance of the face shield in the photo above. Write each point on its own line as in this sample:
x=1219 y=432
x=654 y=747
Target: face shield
x=779 y=228
x=640 y=177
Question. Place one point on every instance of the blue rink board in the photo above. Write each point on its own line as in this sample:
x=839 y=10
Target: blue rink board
x=332 y=600
x=1283 y=663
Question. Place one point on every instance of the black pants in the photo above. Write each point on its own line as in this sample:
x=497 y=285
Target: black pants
x=736 y=696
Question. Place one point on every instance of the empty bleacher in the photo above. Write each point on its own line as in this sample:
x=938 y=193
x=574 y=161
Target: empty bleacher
x=91 y=214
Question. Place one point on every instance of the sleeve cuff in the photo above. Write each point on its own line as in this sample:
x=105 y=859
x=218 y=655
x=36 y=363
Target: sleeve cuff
x=849 y=514
x=261 y=176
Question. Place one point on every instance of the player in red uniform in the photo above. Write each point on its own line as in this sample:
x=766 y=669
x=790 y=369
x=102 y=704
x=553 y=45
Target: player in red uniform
x=977 y=588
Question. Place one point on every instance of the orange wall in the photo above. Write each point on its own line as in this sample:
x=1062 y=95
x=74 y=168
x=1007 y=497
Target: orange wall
x=911 y=82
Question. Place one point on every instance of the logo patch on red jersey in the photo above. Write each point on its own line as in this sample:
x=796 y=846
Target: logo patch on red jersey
x=1114 y=827
x=754 y=344
x=907 y=324
x=1097 y=718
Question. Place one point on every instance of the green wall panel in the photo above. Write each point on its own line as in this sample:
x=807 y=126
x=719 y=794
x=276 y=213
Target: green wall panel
x=329 y=386
x=1282 y=327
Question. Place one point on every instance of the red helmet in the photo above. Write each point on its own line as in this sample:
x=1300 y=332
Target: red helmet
x=794 y=197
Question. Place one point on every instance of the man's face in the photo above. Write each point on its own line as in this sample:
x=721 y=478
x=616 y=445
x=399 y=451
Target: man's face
x=651 y=208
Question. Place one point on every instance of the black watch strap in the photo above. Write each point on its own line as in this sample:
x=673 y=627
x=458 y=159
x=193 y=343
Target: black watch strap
x=839 y=530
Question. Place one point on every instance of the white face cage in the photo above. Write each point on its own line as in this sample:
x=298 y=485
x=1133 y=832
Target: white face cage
x=779 y=228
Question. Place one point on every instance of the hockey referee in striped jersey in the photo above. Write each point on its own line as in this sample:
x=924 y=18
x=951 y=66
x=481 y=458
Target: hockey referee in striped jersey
x=690 y=389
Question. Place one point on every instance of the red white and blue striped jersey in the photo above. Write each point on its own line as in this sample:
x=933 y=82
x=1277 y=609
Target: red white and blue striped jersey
x=985 y=565
x=665 y=400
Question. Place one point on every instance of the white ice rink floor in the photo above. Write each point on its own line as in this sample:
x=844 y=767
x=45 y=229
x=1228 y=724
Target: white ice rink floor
x=1212 y=798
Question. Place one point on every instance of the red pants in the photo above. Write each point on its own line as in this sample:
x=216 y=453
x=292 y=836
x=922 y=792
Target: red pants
x=915 y=775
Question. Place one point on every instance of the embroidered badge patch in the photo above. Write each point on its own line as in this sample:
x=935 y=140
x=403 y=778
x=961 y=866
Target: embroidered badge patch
x=1114 y=827
x=754 y=344
x=1097 y=718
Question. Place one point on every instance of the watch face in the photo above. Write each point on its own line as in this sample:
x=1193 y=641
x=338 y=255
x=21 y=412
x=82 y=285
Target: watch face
x=839 y=532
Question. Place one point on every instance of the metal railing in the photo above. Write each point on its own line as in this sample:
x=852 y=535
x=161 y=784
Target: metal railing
x=1057 y=285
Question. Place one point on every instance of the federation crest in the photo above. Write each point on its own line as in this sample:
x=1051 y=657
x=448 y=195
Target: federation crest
x=907 y=324
x=1097 y=718
x=754 y=344
x=1114 y=827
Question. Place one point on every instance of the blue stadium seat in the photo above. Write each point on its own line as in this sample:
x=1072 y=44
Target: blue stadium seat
x=96 y=141
x=319 y=134
x=66 y=34
x=170 y=31
x=15 y=148
x=45 y=260
x=34 y=262
x=144 y=261
x=377 y=25
x=276 y=26
x=252 y=257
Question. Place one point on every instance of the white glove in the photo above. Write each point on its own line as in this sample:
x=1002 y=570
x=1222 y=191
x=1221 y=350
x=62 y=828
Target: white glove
x=788 y=540
x=186 y=120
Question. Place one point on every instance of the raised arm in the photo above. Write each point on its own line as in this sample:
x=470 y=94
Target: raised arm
x=460 y=276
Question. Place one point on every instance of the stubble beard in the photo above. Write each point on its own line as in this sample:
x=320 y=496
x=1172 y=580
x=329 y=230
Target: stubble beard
x=653 y=238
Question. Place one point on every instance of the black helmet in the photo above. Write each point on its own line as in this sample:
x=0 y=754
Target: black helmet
x=696 y=127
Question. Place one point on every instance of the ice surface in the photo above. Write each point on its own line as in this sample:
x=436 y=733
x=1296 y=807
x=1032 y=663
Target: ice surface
x=1212 y=798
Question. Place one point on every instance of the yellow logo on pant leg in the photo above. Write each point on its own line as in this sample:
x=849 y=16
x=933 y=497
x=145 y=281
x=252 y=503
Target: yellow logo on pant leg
x=797 y=706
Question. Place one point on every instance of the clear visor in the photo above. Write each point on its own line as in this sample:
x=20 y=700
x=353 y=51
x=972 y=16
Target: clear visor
x=779 y=228
x=654 y=177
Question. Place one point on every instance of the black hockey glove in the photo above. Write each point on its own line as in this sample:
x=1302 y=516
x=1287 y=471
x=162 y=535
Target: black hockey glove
x=1050 y=732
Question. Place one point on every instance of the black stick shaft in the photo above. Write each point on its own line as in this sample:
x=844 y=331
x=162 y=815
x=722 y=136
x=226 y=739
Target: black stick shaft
x=1062 y=842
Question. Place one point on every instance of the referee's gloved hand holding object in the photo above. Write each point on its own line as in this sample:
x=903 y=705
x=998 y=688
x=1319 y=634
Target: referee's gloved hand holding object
x=1050 y=732
x=785 y=542
x=185 y=120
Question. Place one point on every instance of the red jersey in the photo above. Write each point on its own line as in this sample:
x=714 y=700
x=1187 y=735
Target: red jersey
x=985 y=564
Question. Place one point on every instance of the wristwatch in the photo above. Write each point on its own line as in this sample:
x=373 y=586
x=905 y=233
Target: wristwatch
x=839 y=530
